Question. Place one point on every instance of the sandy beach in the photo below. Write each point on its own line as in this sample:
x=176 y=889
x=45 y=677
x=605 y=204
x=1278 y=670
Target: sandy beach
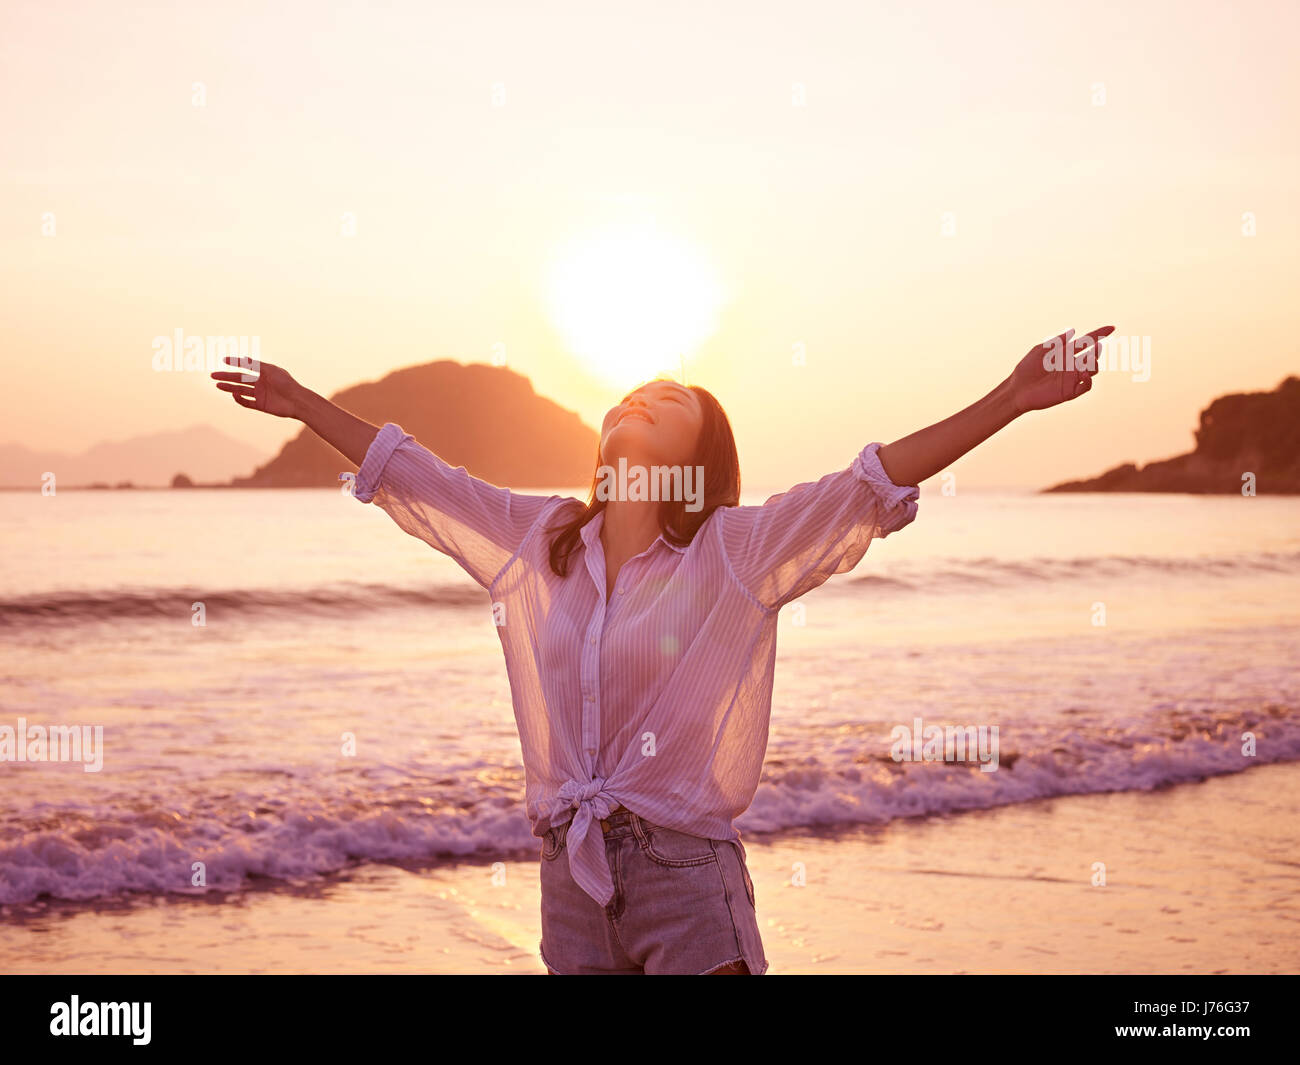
x=1200 y=878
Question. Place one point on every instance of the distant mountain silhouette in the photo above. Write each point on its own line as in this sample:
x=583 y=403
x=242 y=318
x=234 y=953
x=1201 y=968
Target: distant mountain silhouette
x=200 y=451
x=485 y=418
x=1245 y=432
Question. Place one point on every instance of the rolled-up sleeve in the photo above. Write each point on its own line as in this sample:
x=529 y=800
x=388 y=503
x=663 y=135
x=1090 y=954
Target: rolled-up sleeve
x=798 y=539
x=478 y=524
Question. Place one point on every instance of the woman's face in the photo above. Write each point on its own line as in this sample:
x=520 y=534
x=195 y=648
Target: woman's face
x=657 y=424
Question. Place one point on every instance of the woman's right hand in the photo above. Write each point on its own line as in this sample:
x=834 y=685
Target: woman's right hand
x=261 y=386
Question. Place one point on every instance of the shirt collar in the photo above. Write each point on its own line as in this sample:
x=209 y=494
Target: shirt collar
x=591 y=530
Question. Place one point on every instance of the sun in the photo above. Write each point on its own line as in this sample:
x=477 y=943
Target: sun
x=632 y=301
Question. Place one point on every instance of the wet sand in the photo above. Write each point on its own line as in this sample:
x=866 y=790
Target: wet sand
x=1200 y=878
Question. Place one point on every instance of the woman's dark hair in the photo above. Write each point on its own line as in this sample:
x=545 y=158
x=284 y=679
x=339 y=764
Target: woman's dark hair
x=715 y=451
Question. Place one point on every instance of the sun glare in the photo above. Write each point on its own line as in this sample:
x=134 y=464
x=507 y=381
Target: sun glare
x=632 y=302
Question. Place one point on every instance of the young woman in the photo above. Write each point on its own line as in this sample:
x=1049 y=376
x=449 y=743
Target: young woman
x=640 y=638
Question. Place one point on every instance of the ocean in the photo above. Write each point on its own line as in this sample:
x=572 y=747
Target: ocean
x=1118 y=642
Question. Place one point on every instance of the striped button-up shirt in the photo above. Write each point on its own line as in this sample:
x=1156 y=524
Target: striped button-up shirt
x=659 y=698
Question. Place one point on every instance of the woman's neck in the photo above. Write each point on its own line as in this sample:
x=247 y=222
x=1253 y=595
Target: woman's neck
x=629 y=527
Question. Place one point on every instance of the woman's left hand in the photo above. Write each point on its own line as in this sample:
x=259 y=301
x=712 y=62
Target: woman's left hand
x=1056 y=370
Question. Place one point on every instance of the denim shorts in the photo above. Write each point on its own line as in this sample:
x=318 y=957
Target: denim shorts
x=682 y=904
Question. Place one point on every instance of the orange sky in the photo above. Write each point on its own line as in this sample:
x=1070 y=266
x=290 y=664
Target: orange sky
x=806 y=153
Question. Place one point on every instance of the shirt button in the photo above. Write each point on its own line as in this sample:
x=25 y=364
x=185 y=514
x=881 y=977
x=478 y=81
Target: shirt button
x=621 y=591
x=593 y=639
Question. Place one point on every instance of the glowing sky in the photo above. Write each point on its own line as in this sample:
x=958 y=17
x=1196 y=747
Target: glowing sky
x=1092 y=164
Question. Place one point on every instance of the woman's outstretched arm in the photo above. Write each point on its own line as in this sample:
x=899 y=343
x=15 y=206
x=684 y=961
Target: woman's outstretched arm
x=476 y=523
x=1053 y=372
x=274 y=391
